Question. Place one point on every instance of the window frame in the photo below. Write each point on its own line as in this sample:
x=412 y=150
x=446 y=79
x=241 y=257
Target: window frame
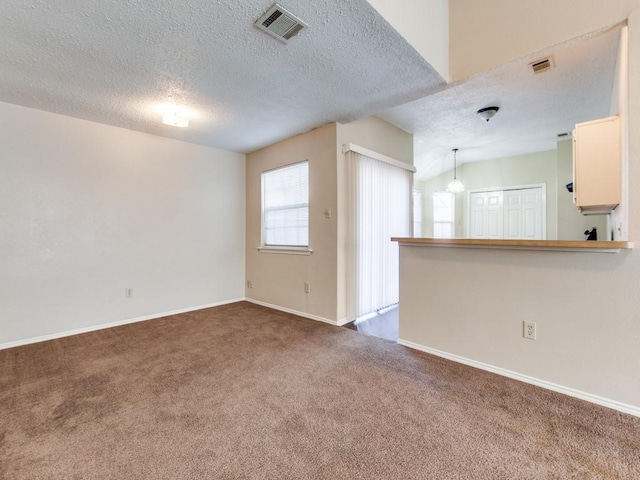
x=276 y=248
x=416 y=212
x=451 y=221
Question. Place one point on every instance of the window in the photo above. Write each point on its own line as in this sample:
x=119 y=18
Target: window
x=285 y=206
x=443 y=214
x=417 y=213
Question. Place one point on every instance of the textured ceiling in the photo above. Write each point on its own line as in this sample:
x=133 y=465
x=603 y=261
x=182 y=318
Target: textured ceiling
x=534 y=109
x=115 y=61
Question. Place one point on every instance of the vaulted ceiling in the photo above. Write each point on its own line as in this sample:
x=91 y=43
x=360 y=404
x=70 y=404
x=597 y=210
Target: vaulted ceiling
x=534 y=108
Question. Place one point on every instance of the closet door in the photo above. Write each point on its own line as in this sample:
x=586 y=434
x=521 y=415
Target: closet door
x=486 y=215
x=523 y=214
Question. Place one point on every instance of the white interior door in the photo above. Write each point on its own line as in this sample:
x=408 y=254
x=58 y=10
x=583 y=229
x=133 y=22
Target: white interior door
x=486 y=215
x=523 y=214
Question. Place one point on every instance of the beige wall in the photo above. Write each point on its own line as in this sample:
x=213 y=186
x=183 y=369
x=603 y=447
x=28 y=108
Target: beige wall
x=278 y=279
x=87 y=210
x=571 y=223
x=533 y=168
x=377 y=135
x=471 y=302
x=486 y=34
x=426 y=28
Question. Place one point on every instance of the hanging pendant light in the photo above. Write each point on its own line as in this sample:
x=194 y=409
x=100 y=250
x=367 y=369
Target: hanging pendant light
x=455 y=185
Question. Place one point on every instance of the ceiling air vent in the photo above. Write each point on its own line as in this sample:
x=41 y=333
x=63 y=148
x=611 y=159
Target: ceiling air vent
x=543 y=65
x=280 y=23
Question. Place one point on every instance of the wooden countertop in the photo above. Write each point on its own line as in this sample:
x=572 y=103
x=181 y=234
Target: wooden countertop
x=549 y=245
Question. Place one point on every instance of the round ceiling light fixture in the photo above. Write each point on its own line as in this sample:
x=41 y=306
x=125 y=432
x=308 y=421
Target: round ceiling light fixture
x=487 y=113
x=174 y=115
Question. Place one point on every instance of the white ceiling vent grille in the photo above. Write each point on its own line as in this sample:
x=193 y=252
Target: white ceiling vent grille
x=280 y=23
x=543 y=65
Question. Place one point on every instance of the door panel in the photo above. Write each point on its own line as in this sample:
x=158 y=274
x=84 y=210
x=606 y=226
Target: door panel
x=486 y=216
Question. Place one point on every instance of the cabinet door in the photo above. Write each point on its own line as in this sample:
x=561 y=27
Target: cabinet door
x=597 y=165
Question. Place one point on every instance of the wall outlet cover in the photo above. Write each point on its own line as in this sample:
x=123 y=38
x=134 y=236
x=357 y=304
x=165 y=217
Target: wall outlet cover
x=529 y=330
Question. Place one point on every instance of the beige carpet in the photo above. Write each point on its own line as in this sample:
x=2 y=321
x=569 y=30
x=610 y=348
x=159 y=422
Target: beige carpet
x=244 y=392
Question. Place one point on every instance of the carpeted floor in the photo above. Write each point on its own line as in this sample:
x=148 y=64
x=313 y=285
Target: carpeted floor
x=244 y=392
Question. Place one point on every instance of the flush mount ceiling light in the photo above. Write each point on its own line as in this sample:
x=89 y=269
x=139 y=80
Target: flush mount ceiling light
x=487 y=113
x=455 y=185
x=174 y=120
x=175 y=116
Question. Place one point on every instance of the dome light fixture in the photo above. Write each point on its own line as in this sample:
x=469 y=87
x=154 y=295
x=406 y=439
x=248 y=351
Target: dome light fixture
x=175 y=115
x=174 y=120
x=455 y=185
x=487 y=113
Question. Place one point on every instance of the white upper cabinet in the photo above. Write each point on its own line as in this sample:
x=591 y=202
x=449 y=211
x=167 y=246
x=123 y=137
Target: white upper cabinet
x=597 y=165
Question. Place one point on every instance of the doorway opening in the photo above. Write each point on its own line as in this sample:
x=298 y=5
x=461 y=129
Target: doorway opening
x=379 y=207
x=382 y=323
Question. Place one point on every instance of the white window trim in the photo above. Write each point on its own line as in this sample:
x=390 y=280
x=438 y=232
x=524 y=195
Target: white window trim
x=285 y=250
x=416 y=192
x=280 y=249
x=453 y=216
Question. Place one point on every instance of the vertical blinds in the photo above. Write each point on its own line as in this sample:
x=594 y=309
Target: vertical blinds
x=285 y=206
x=381 y=209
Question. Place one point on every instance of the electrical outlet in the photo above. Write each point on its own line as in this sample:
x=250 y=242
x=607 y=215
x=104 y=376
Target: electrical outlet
x=128 y=292
x=529 y=330
x=249 y=284
x=307 y=288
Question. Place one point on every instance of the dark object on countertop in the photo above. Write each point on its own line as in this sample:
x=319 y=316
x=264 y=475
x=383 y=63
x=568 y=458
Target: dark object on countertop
x=569 y=187
x=591 y=235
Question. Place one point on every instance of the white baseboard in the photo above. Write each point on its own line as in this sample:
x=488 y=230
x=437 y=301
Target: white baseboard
x=604 y=402
x=295 y=312
x=343 y=321
x=93 y=328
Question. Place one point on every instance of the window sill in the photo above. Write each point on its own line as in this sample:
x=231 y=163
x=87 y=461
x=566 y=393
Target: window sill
x=286 y=250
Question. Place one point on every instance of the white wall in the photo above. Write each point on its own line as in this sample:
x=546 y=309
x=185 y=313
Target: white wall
x=471 y=302
x=424 y=24
x=87 y=210
x=619 y=219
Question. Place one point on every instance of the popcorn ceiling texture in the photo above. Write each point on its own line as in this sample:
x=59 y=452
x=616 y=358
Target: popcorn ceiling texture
x=534 y=109
x=114 y=61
